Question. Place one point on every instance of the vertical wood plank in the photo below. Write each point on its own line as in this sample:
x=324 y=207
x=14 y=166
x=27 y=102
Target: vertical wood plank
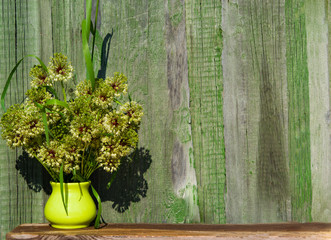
x=204 y=46
x=299 y=107
x=182 y=160
x=272 y=162
x=20 y=36
x=238 y=166
x=255 y=111
x=319 y=103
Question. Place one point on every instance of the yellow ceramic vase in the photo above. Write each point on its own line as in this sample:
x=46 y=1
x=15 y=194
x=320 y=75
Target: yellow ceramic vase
x=81 y=207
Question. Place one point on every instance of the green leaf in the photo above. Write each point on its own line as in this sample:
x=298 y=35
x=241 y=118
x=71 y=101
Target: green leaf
x=111 y=180
x=4 y=92
x=87 y=55
x=64 y=92
x=77 y=176
x=95 y=28
x=44 y=117
x=88 y=18
x=65 y=202
x=118 y=102
x=56 y=102
x=52 y=91
x=97 y=197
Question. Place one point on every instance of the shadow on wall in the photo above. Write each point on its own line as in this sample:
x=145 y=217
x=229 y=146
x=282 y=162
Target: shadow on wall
x=129 y=185
x=35 y=175
x=104 y=55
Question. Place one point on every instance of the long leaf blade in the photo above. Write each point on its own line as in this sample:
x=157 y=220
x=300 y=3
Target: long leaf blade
x=87 y=55
x=56 y=102
x=44 y=117
x=112 y=179
x=88 y=19
x=95 y=28
x=65 y=204
x=4 y=92
x=52 y=91
x=97 y=197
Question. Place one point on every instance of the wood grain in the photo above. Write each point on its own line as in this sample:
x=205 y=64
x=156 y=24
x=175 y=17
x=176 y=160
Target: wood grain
x=291 y=231
x=255 y=111
x=19 y=202
x=204 y=49
x=319 y=101
x=299 y=120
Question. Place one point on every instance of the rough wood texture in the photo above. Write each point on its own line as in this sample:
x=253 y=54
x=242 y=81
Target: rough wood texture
x=298 y=105
x=291 y=231
x=236 y=96
x=204 y=46
x=19 y=203
x=255 y=111
x=319 y=96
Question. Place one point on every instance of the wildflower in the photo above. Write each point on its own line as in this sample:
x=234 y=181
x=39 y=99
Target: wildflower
x=103 y=96
x=111 y=153
x=84 y=127
x=39 y=95
x=90 y=131
x=84 y=88
x=39 y=77
x=114 y=123
x=20 y=124
x=60 y=70
x=118 y=84
x=133 y=112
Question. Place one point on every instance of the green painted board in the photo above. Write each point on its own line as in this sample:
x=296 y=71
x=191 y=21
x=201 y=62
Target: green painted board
x=204 y=46
x=299 y=107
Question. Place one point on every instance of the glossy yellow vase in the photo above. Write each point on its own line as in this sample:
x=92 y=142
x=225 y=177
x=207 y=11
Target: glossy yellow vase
x=81 y=207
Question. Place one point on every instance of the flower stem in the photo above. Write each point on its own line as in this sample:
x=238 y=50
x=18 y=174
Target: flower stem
x=64 y=92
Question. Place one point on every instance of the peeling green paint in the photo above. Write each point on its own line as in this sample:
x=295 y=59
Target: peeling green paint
x=176 y=10
x=204 y=44
x=177 y=207
x=298 y=108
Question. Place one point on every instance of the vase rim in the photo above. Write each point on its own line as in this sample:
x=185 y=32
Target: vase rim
x=71 y=183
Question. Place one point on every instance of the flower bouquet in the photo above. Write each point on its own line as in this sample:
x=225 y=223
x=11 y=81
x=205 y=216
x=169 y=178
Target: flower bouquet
x=94 y=130
x=72 y=138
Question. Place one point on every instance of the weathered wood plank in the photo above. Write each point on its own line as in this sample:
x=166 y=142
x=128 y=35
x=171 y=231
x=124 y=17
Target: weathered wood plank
x=319 y=108
x=177 y=231
x=20 y=28
x=204 y=49
x=255 y=111
x=182 y=159
x=299 y=107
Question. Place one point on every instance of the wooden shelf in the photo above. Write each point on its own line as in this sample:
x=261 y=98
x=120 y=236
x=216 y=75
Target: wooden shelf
x=285 y=231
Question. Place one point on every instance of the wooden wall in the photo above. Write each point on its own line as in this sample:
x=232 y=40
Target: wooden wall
x=236 y=96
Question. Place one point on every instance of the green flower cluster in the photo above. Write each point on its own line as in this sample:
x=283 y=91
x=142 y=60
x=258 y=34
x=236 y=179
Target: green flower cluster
x=93 y=130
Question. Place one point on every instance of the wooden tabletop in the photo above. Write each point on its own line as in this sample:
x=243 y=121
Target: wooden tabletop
x=284 y=231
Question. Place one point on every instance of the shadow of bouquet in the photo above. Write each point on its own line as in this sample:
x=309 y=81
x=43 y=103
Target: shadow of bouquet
x=127 y=184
